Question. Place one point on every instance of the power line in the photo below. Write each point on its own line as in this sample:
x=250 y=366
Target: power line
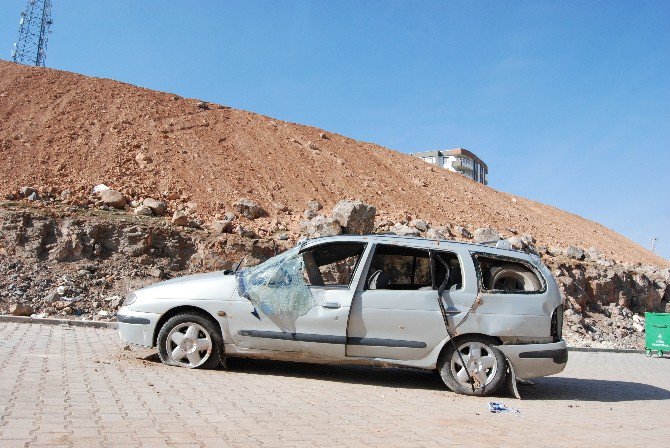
x=34 y=30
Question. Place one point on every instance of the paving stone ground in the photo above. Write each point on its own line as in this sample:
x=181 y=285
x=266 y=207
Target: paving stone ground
x=71 y=387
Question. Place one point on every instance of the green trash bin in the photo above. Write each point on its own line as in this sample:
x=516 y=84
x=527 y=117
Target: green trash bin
x=657 y=333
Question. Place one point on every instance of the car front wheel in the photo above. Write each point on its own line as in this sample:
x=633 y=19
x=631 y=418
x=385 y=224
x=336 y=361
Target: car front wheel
x=190 y=340
x=479 y=370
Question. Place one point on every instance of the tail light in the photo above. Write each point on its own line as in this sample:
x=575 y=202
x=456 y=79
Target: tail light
x=557 y=323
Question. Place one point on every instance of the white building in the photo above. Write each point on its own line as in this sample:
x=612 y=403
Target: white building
x=458 y=160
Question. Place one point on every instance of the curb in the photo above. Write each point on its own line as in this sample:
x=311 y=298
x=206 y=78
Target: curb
x=53 y=321
x=607 y=350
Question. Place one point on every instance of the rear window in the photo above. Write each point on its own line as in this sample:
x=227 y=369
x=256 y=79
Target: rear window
x=504 y=275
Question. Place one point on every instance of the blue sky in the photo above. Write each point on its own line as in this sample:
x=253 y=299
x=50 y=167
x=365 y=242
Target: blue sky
x=567 y=101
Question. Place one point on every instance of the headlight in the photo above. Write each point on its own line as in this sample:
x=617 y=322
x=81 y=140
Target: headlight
x=130 y=298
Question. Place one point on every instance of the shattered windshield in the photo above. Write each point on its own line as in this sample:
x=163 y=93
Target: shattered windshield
x=277 y=288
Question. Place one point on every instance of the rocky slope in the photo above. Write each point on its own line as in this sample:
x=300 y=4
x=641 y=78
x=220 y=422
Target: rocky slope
x=59 y=260
x=65 y=132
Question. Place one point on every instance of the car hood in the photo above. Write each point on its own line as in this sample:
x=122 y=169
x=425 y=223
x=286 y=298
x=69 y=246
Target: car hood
x=210 y=286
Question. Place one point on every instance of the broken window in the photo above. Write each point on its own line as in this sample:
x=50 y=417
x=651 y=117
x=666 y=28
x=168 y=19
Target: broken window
x=405 y=268
x=402 y=268
x=331 y=264
x=455 y=280
x=277 y=288
x=504 y=275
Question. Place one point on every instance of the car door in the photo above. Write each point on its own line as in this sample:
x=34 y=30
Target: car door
x=302 y=302
x=396 y=313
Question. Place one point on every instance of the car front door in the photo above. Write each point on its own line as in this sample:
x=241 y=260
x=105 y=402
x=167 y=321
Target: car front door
x=302 y=301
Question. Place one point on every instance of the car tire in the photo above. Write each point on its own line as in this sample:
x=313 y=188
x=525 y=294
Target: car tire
x=190 y=340
x=486 y=364
x=508 y=274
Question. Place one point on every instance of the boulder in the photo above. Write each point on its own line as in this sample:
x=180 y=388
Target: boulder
x=180 y=219
x=143 y=210
x=574 y=252
x=112 y=198
x=355 y=217
x=403 y=230
x=486 y=234
x=249 y=209
x=438 y=233
x=27 y=192
x=419 y=224
x=157 y=207
x=320 y=226
x=222 y=226
x=20 y=309
x=314 y=205
x=462 y=232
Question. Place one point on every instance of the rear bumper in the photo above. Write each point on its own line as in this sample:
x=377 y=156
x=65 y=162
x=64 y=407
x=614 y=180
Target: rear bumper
x=137 y=328
x=535 y=360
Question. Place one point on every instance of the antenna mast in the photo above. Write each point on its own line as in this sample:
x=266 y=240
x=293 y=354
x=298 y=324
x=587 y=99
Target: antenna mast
x=34 y=30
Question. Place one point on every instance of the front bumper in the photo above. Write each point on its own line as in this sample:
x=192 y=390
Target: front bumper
x=137 y=328
x=536 y=360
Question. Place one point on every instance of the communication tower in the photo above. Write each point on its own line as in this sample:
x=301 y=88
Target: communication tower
x=31 y=47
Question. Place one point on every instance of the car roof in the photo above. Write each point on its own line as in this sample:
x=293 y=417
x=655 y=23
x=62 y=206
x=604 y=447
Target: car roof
x=418 y=242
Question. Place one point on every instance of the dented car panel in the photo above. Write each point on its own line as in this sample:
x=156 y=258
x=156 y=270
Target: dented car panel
x=374 y=300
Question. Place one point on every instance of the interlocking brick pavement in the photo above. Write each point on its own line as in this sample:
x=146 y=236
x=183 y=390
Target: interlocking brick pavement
x=72 y=387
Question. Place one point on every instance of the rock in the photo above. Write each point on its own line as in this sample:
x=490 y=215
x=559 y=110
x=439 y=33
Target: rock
x=143 y=158
x=283 y=236
x=574 y=252
x=245 y=233
x=202 y=105
x=33 y=197
x=419 y=224
x=157 y=207
x=100 y=187
x=229 y=216
x=180 y=219
x=112 y=198
x=314 y=205
x=156 y=272
x=222 y=226
x=486 y=234
x=403 y=230
x=462 y=232
x=355 y=217
x=143 y=210
x=320 y=226
x=27 y=191
x=324 y=136
x=20 y=309
x=437 y=233
x=115 y=301
x=309 y=214
x=313 y=146
x=249 y=209
x=103 y=313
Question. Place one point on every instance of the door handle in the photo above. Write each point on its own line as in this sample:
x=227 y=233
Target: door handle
x=331 y=305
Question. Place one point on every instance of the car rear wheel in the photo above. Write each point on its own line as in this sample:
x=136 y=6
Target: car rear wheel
x=190 y=340
x=485 y=365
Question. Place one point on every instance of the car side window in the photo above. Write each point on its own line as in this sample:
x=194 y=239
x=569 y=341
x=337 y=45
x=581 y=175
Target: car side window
x=502 y=275
x=447 y=259
x=331 y=264
x=399 y=268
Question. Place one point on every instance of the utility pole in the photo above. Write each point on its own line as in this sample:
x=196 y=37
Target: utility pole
x=653 y=242
x=34 y=30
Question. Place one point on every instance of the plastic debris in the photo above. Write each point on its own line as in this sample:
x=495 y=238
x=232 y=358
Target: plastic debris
x=498 y=408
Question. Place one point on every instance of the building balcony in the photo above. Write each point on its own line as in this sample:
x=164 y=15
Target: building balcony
x=460 y=164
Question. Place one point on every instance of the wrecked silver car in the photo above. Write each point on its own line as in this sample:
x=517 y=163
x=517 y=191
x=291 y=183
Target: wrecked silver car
x=481 y=316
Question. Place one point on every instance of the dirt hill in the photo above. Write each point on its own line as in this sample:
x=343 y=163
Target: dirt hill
x=62 y=131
